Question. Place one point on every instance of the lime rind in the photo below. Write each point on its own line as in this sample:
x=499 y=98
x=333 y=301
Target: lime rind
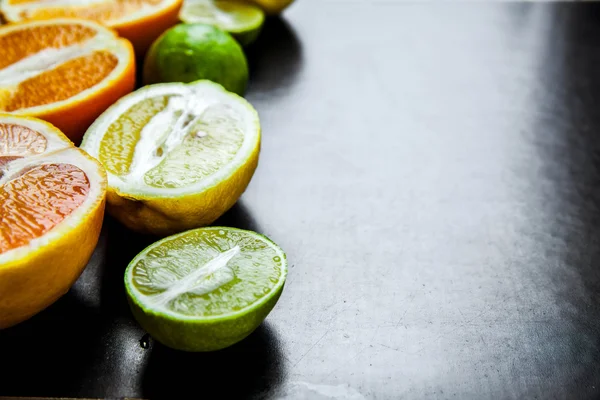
x=242 y=20
x=189 y=335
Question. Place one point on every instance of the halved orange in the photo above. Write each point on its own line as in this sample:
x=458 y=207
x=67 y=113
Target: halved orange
x=65 y=71
x=140 y=21
x=52 y=197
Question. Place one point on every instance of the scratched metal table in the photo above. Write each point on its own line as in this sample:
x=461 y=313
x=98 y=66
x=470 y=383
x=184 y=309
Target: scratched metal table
x=433 y=172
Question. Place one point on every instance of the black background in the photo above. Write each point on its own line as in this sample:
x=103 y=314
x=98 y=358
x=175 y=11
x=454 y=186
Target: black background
x=432 y=171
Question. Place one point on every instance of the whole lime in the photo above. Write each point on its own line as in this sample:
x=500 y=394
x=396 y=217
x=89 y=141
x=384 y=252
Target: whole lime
x=190 y=52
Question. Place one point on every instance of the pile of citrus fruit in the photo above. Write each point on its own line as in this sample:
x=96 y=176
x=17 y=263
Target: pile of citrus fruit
x=167 y=159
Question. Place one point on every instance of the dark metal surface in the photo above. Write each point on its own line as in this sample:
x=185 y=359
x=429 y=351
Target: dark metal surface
x=433 y=172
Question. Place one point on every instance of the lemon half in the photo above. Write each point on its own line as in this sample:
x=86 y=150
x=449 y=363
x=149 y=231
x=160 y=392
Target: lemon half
x=177 y=155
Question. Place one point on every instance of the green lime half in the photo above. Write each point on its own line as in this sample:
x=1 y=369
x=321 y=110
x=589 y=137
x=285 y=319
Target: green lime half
x=205 y=289
x=244 y=21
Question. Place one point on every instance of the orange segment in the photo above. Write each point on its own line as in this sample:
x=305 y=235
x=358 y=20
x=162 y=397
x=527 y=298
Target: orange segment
x=65 y=71
x=67 y=80
x=18 y=140
x=140 y=21
x=35 y=202
x=19 y=44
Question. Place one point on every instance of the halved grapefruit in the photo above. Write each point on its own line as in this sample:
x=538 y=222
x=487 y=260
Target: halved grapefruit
x=52 y=197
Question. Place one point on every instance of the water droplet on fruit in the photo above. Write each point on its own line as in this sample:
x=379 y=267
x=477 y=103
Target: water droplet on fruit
x=145 y=341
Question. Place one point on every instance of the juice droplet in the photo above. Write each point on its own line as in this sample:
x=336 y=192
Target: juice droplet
x=145 y=341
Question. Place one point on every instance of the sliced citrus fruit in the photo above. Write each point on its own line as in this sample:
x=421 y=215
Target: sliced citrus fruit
x=242 y=20
x=51 y=210
x=272 y=7
x=64 y=71
x=207 y=288
x=177 y=155
x=140 y=21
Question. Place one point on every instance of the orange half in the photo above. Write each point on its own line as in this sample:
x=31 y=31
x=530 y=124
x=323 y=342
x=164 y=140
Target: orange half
x=140 y=21
x=65 y=71
x=52 y=197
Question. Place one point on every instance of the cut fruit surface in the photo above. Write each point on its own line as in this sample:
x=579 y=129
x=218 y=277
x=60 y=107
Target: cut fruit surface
x=207 y=288
x=272 y=7
x=243 y=20
x=140 y=21
x=51 y=210
x=177 y=155
x=64 y=71
x=27 y=215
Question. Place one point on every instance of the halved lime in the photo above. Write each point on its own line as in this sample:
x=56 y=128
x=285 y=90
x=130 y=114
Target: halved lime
x=244 y=21
x=205 y=289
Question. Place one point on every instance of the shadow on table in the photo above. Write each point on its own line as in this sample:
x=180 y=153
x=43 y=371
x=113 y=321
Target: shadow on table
x=248 y=369
x=122 y=246
x=48 y=354
x=238 y=217
x=61 y=350
x=276 y=57
x=565 y=118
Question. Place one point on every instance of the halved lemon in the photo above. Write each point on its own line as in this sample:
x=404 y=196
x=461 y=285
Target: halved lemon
x=177 y=155
x=51 y=210
x=140 y=21
x=64 y=71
